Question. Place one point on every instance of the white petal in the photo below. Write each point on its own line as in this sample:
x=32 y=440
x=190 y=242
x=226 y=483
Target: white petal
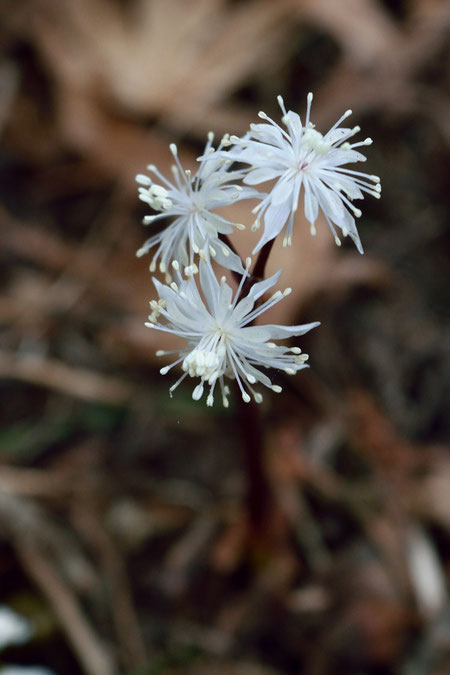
x=274 y=220
x=261 y=287
x=282 y=191
x=231 y=261
x=277 y=332
x=295 y=123
x=256 y=176
x=311 y=203
x=210 y=286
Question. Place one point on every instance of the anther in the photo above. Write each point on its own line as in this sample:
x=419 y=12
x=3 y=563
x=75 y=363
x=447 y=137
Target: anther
x=198 y=392
x=142 y=179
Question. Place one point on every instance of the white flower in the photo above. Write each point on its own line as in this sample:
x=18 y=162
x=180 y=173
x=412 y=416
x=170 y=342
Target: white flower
x=189 y=201
x=220 y=338
x=300 y=156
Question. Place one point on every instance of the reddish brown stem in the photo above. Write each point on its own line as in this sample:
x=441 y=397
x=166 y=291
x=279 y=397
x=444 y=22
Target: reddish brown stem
x=258 y=496
x=261 y=261
x=259 y=268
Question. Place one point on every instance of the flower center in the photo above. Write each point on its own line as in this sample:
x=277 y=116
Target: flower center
x=312 y=141
x=205 y=364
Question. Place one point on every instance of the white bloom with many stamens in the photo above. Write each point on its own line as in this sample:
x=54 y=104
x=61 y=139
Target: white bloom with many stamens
x=299 y=156
x=221 y=340
x=190 y=201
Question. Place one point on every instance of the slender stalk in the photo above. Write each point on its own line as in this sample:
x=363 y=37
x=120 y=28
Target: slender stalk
x=258 y=270
x=260 y=265
x=258 y=497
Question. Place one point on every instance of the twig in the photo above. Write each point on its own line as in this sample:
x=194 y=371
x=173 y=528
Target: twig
x=124 y=615
x=55 y=374
x=20 y=519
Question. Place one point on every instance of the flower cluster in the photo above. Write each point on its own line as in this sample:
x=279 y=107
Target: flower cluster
x=218 y=326
x=300 y=156
x=191 y=202
x=221 y=340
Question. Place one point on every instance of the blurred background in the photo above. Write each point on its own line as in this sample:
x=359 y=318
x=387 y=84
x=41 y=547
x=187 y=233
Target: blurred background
x=123 y=538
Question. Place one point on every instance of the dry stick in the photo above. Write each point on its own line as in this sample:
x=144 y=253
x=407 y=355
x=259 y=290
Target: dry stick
x=54 y=374
x=93 y=657
x=124 y=615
